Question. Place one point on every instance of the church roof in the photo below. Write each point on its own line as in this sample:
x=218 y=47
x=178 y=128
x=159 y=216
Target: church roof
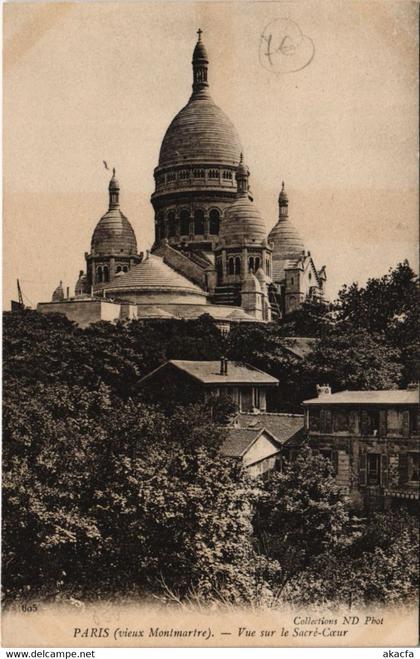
x=201 y=132
x=114 y=235
x=152 y=274
x=243 y=221
x=288 y=246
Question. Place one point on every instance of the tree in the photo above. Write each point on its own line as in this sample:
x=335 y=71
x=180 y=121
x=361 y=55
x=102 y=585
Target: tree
x=300 y=513
x=354 y=359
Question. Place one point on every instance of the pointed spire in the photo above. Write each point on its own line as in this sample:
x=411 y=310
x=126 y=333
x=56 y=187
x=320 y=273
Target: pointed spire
x=114 y=192
x=283 y=203
x=200 y=62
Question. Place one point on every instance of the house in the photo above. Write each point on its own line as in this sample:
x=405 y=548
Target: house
x=262 y=441
x=245 y=384
x=373 y=441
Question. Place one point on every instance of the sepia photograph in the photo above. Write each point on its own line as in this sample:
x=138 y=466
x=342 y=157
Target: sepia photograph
x=211 y=324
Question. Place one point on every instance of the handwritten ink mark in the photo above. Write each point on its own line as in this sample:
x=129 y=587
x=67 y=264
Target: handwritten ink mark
x=284 y=48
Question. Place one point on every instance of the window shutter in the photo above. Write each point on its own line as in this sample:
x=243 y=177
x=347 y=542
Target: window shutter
x=328 y=421
x=362 y=469
x=334 y=459
x=352 y=421
x=364 y=422
x=403 y=467
x=382 y=422
x=322 y=419
x=384 y=470
x=405 y=423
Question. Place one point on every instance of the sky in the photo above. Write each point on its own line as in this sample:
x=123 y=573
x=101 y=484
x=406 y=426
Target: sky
x=87 y=82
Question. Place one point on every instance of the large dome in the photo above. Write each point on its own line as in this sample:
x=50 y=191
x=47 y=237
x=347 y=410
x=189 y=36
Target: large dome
x=201 y=132
x=114 y=235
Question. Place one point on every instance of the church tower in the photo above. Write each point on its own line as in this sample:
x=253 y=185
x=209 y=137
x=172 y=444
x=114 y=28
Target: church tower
x=195 y=177
x=113 y=245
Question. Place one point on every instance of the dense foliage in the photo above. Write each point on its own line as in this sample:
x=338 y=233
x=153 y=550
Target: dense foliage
x=102 y=486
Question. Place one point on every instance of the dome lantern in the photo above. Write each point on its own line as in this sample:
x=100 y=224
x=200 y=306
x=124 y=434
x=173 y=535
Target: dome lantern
x=200 y=62
x=114 y=192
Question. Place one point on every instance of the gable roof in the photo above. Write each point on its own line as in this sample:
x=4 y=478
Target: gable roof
x=300 y=346
x=380 y=397
x=285 y=428
x=208 y=373
x=239 y=440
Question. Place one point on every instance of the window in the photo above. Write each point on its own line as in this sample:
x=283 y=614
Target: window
x=171 y=176
x=310 y=276
x=125 y=268
x=199 y=222
x=315 y=420
x=251 y=264
x=292 y=281
x=414 y=421
x=257 y=263
x=198 y=173
x=227 y=174
x=413 y=467
x=118 y=269
x=231 y=267
x=214 y=221
x=219 y=270
x=373 y=422
x=213 y=173
x=237 y=265
x=267 y=267
x=340 y=421
x=106 y=273
x=184 y=173
x=256 y=396
x=185 y=222
x=171 y=224
x=99 y=274
x=373 y=464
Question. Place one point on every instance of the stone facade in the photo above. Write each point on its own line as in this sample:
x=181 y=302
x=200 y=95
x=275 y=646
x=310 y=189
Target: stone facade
x=373 y=441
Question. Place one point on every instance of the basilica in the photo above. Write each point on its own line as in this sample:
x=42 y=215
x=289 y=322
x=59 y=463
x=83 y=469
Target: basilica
x=211 y=252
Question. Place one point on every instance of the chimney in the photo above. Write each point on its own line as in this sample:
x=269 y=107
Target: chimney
x=323 y=390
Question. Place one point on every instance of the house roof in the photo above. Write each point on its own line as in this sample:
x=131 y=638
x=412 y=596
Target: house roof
x=300 y=346
x=239 y=440
x=381 y=397
x=208 y=372
x=285 y=428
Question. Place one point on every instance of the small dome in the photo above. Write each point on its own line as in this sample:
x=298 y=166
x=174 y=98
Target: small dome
x=58 y=294
x=288 y=244
x=251 y=284
x=114 y=235
x=243 y=222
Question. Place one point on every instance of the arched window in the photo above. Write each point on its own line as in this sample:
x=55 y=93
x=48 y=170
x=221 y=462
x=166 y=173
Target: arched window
x=251 y=264
x=118 y=269
x=199 y=222
x=237 y=265
x=106 y=273
x=198 y=173
x=214 y=221
x=171 y=224
x=257 y=263
x=231 y=267
x=267 y=267
x=213 y=173
x=185 y=222
x=99 y=274
x=219 y=270
x=125 y=268
x=310 y=276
